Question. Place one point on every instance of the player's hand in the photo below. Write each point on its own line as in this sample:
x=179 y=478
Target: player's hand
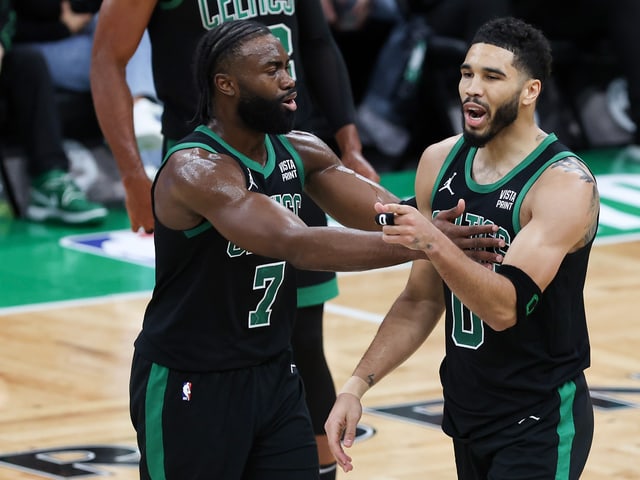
x=477 y=241
x=138 y=202
x=407 y=226
x=341 y=427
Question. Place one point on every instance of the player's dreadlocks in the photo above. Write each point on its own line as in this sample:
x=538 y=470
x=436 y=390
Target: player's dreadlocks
x=214 y=50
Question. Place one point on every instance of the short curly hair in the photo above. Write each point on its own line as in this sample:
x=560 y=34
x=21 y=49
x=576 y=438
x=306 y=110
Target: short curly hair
x=531 y=49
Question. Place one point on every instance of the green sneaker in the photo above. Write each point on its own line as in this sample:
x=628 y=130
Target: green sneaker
x=54 y=195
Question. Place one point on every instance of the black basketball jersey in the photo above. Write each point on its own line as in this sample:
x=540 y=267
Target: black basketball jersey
x=216 y=306
x=175 y=28
x=490 y=378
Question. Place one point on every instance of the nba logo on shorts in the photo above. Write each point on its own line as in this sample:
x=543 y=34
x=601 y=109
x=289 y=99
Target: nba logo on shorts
x=186 y=391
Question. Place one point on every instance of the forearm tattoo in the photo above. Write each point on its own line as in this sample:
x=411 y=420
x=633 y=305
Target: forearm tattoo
x=371 y=379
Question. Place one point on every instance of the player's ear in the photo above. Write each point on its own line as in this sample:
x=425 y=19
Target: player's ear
x=225 y=83
x=531 y=91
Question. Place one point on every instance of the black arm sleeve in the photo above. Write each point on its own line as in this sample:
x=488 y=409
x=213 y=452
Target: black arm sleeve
x=528 y=293
x=324 y=67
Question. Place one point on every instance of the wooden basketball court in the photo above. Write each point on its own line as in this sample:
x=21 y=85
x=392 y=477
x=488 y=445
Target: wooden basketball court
x=64 y=377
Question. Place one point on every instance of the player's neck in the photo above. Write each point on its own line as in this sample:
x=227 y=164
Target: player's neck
x=248 y=142
x=505 y=151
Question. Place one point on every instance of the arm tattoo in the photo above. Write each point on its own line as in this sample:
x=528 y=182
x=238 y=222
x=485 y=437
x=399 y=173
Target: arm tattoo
x=572 y=164
x=370 y=379
x=594 y=212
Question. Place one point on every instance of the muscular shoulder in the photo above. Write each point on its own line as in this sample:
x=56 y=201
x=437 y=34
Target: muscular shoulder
x=197 y=166
x=566 y=192
x=566 y=177
x=193 y=182
x=574 y=169
x=437 y=152
x=431 y=162
x=315 y=154
x=306 y=142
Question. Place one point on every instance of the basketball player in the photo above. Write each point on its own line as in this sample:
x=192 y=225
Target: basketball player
x=516 y=402
x=174 y=29
x=215 y=391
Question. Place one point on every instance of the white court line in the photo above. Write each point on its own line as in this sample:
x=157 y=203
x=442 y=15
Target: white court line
x=80 y=302
x=353 y=313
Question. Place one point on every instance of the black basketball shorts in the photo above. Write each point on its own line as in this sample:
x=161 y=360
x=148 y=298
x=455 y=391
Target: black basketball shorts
x=245 y=424
x=552 y=443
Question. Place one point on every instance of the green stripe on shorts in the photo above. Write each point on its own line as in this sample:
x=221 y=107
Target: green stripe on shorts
x=566 y=429
x=154 y=402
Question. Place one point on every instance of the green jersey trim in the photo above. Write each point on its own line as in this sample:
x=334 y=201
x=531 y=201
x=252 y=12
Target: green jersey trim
x=183 y=146
x=265 y=170
x=490 y=187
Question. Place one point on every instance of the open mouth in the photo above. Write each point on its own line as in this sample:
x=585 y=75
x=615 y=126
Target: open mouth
x=474 y=114
x=289 y=102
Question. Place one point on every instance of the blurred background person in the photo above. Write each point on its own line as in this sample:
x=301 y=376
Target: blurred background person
x=27 y=90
